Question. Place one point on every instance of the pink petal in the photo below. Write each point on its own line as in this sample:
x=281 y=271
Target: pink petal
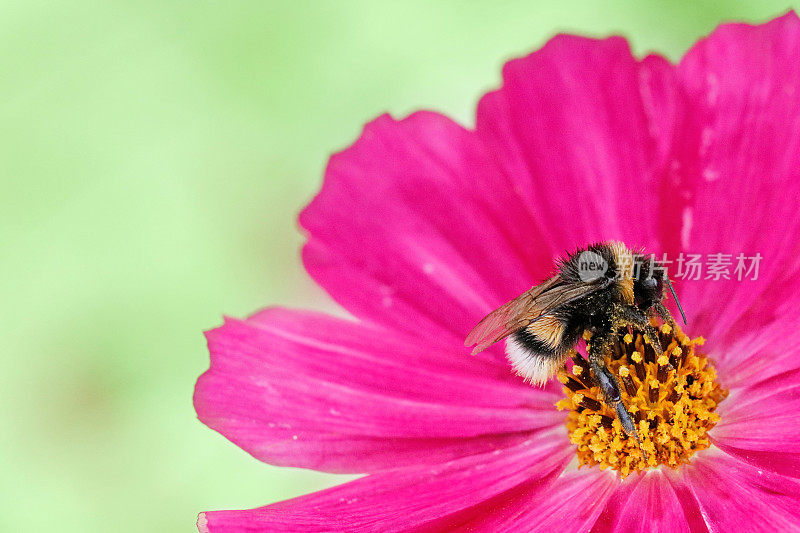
x=584 y=128
x=615 y=504
x=409 y=499
x=734 y=496
x=761 y=424
x=647 y=503
x=739 y=159
x=416 y=228
x=572 y=503
x=756 y=354
x=302 y=389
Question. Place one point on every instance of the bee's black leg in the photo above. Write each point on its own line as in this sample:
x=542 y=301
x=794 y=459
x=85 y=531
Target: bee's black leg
x=598 y=347
x=630 y=315
x=655 y=342
x=664 y=313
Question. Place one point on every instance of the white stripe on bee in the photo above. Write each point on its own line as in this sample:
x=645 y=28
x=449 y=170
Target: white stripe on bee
x=533 y=367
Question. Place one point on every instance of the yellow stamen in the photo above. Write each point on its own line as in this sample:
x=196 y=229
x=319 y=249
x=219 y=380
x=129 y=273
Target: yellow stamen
x=672 y=402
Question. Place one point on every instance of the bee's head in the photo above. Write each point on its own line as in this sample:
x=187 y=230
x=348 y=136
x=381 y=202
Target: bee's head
x=648 y=287
x=650 y=282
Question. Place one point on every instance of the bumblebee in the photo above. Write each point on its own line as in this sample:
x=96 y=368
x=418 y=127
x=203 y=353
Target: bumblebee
x=599 y=289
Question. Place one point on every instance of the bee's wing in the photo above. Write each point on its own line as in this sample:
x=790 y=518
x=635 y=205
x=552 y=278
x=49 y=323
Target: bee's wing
x=509 y=317
x=525 y=308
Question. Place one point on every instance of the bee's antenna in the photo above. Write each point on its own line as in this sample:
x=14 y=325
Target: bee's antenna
x=675 y=296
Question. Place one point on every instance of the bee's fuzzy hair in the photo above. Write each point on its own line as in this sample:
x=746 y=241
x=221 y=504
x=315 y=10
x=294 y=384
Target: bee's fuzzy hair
x=534 y=367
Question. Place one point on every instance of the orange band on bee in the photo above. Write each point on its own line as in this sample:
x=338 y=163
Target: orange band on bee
x=623 y=258
x=548 y=329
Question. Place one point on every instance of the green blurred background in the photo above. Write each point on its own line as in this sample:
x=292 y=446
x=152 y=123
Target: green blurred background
x=154 y=156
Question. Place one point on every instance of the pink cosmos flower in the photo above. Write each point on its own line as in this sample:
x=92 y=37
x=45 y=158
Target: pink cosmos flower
x=423 y=226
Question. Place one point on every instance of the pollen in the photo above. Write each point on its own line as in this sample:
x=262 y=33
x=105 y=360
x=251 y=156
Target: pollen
x=671 y=398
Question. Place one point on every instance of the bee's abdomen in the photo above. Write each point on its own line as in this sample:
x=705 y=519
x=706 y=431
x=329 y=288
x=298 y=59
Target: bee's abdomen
x=537 y=351
x=547 y=332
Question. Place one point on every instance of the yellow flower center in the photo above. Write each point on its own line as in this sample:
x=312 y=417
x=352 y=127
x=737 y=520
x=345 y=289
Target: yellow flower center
x=672 y=399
